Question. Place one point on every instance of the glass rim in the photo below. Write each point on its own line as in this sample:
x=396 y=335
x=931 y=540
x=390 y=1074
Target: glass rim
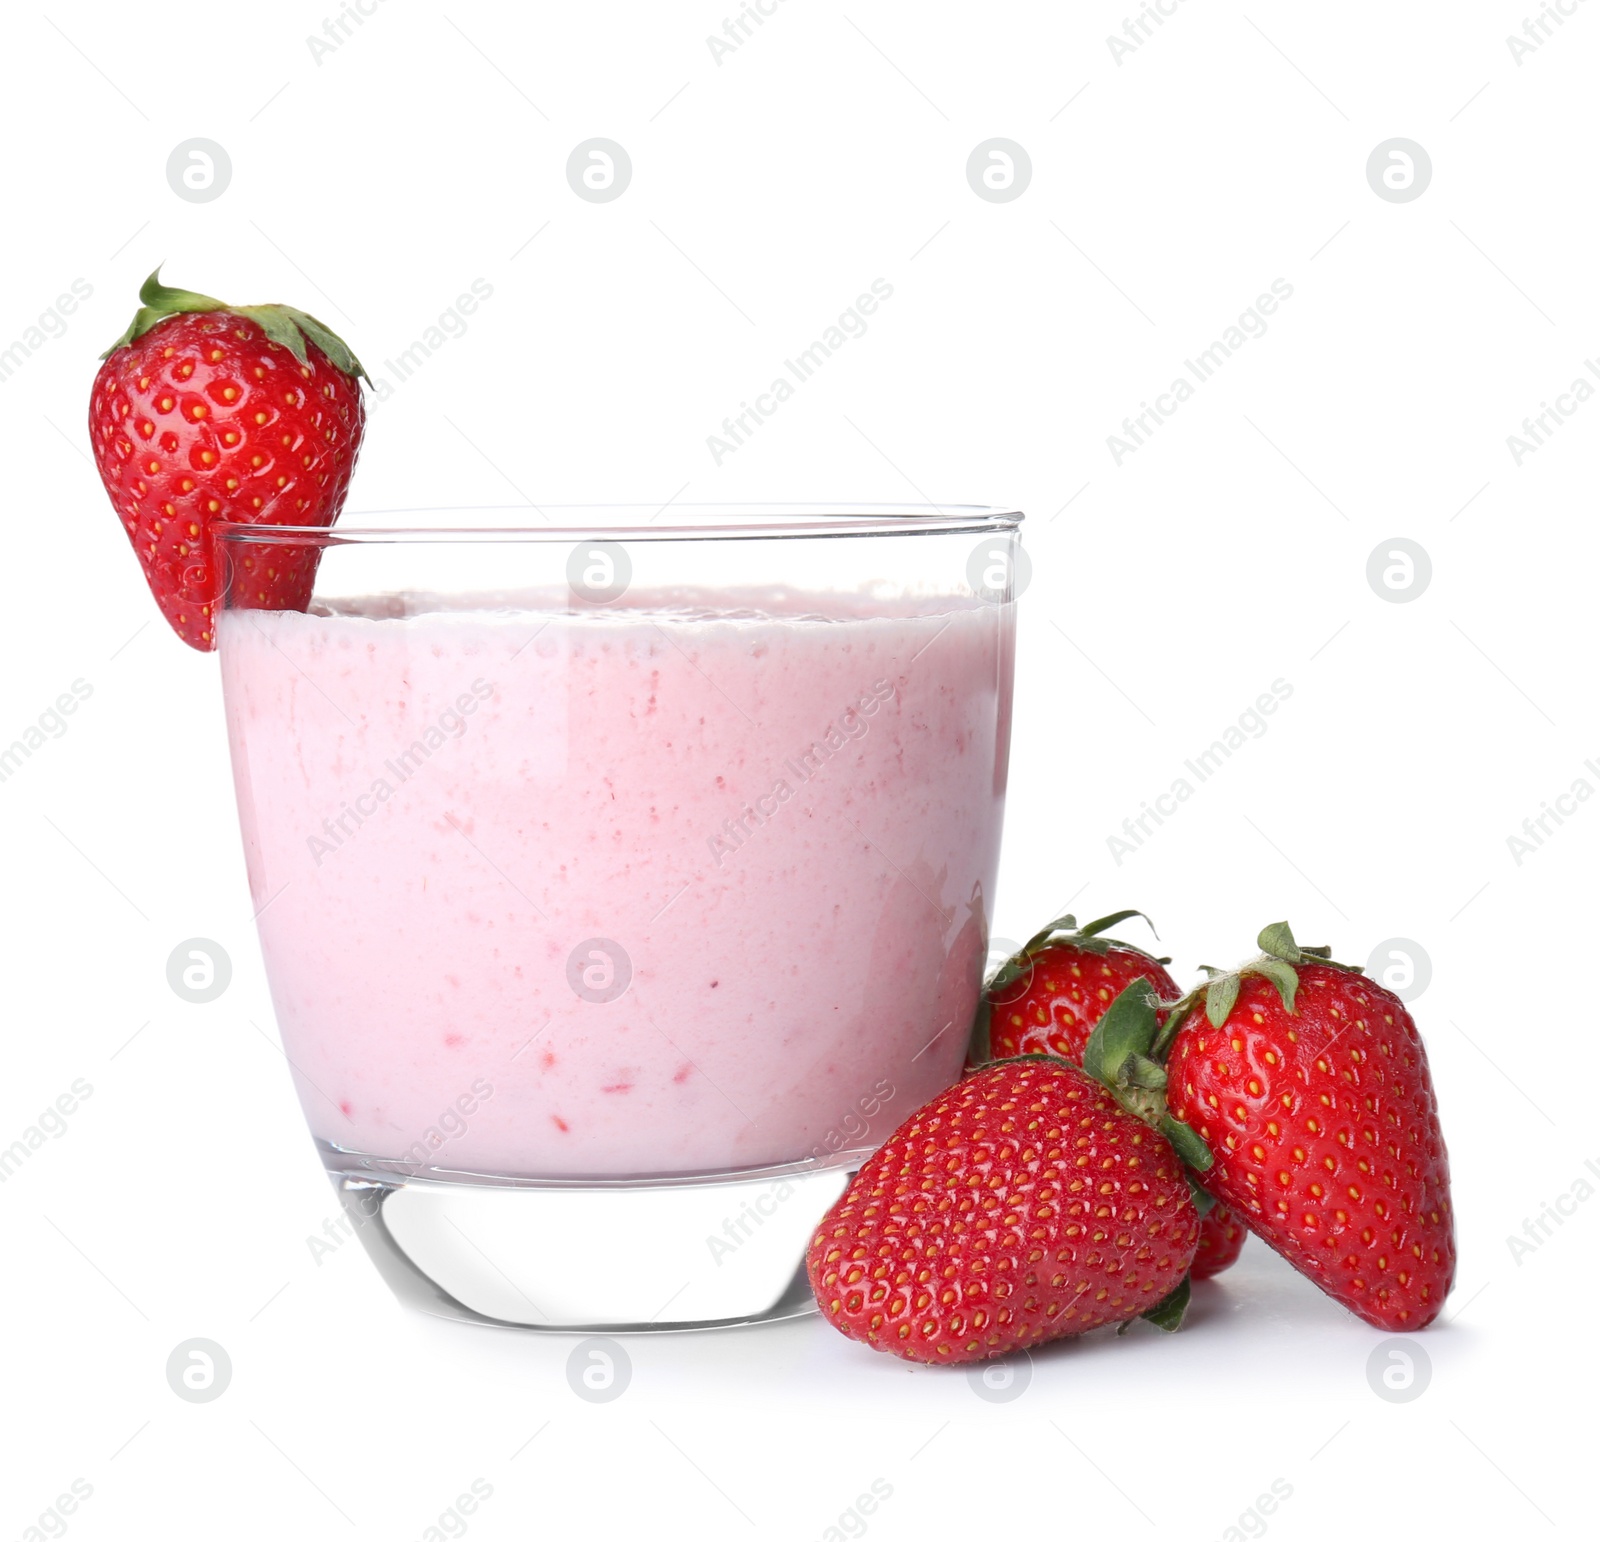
x=760 y=521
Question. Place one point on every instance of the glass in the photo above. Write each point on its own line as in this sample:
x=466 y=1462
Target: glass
x=623 y=877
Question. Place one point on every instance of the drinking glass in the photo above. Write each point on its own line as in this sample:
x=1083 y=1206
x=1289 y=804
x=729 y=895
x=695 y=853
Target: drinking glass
x=623 y=877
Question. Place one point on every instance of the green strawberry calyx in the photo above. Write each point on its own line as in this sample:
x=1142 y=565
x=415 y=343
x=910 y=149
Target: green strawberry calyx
x=1167 y=1313
x=283 y=324
x=1119 y=1055
x=1065 y=931
x=1219 y=991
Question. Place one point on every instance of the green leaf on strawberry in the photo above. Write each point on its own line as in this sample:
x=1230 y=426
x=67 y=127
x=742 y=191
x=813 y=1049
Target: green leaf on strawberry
x=1185 y=1142
x=1221 y=994
x=283 y=324
x=1278 y=940
x=1219 y=991
x=1128 y=1028
x=1281 y=974
x=1088 y=937
x=1167 y=1314
x=1140 y=1071
x=1118 y=1056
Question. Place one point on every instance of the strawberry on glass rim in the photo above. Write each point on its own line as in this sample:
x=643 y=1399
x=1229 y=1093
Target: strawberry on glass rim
x=205 y=412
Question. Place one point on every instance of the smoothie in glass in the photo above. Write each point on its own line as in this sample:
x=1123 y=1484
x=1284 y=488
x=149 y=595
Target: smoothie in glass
x=691 y=883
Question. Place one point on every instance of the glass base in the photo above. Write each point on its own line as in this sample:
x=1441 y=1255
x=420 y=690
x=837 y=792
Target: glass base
x=604 y=1255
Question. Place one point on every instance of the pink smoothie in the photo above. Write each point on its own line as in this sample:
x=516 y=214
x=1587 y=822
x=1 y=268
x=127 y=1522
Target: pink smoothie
x=771 y=823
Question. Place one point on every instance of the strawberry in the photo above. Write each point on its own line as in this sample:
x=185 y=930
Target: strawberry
x=1222 y=1236
x=1049 y=998
x=1310 y=1086
x=204 y=412
x=1020 y=1205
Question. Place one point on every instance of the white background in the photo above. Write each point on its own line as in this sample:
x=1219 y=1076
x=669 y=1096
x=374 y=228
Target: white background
x=1167 y=192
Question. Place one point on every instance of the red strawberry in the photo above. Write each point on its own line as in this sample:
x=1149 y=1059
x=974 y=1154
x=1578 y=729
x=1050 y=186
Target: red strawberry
x=1021 y=1205
x=205 y=412
x=1048 y=999
x=1222 y=1236
x=1310 y=1086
